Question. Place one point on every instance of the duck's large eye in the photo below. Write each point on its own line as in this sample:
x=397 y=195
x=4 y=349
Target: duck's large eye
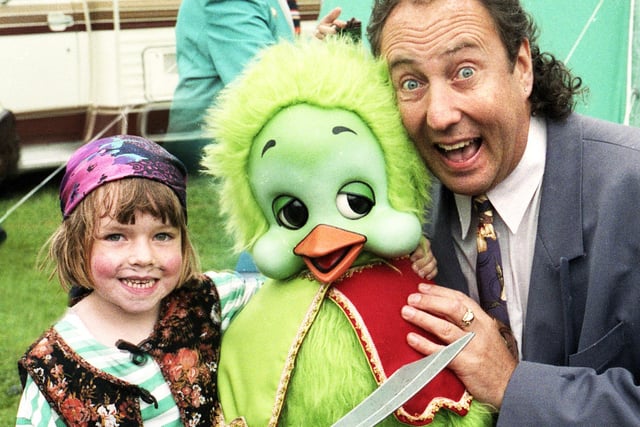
x=290 y=212
x=355 y=200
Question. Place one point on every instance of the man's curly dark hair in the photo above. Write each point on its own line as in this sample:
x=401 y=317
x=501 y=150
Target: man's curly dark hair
x=554 y=87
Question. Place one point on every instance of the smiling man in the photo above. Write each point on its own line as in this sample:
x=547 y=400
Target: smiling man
x=492 y=115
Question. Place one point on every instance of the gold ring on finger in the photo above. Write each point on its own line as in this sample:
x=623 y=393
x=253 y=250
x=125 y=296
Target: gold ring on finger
x=467 y=318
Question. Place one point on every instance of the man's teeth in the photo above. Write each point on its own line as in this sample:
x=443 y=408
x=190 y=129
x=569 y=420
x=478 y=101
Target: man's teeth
x=139 y=284
x=455 y=146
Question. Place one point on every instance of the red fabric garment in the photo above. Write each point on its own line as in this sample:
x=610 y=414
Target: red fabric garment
x=372 y=299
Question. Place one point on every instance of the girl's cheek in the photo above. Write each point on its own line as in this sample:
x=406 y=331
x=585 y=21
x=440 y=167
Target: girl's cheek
x=173 y=264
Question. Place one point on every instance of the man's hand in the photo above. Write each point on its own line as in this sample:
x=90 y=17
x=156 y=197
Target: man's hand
x=486 y=364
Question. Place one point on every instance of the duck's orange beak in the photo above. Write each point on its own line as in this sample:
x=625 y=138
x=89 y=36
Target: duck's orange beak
x=329 y=251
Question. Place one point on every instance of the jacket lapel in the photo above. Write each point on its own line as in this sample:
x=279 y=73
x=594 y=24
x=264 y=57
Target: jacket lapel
x=552 y=301
x=438 y=231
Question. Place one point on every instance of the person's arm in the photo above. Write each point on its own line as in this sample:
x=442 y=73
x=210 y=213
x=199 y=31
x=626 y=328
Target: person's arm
x=570 y=396
x=236 y=32
x=34 y=410
x=235 y=291
x=525 y=393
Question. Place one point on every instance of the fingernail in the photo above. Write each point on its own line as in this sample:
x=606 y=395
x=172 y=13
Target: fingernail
x=408 y=312
x=413 y=298
x=423 y=287
x=412 y=338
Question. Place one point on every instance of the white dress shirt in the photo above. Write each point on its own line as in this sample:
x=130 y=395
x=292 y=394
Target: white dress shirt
x=515 y=201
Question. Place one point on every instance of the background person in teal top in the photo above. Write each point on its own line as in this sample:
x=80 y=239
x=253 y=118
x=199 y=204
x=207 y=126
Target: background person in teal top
x=214 y=41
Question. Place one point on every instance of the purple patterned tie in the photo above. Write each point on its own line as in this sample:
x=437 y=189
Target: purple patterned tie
x=489 y=263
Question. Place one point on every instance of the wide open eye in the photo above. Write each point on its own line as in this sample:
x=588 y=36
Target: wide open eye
x=355 y=200
x=410 y=84
x=290 y=212
x=466 y=72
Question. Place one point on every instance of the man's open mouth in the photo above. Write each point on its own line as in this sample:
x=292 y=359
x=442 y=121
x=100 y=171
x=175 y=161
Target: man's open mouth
x=461 y=151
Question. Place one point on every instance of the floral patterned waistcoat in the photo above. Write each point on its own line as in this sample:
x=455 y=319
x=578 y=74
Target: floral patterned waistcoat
x=185 y=343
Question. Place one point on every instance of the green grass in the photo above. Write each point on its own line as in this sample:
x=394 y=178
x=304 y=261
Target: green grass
x=29 y=302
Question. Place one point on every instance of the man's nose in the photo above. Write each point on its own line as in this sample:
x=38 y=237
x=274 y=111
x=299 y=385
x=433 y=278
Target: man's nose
x=443 y=108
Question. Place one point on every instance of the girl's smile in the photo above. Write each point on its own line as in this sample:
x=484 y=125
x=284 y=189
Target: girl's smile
x=134 y=266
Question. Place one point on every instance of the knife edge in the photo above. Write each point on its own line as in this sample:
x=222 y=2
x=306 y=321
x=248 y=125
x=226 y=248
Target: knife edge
x=401 y=386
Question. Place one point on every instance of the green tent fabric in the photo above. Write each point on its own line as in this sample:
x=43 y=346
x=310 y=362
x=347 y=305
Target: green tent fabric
x=592 y=36
x=597 y=41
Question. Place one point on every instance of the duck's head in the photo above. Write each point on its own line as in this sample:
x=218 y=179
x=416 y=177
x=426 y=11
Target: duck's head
x=317 y=171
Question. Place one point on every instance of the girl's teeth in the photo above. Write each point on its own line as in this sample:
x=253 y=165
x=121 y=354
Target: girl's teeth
x=139 y=284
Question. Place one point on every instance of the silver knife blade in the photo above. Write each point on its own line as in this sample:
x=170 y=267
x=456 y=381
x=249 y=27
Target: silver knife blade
x=401 y=386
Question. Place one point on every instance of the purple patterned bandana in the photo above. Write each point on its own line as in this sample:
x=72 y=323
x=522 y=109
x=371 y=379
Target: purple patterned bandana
x=117 y=157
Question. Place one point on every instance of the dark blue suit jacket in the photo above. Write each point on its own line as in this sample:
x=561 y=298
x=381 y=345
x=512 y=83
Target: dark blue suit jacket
x=581 y=338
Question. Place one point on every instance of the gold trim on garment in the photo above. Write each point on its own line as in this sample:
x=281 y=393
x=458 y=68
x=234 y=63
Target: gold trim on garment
x=293 y=353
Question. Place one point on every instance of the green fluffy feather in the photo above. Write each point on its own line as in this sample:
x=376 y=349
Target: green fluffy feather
x=330 y=74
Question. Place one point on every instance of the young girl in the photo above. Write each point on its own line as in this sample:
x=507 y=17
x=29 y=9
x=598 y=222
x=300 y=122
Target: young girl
x=141 y=344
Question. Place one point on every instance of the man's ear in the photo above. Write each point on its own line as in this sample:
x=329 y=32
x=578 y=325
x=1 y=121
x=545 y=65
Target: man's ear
x=524 y=67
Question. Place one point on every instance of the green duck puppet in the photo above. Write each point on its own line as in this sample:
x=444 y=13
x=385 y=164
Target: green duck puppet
x=320 y=184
